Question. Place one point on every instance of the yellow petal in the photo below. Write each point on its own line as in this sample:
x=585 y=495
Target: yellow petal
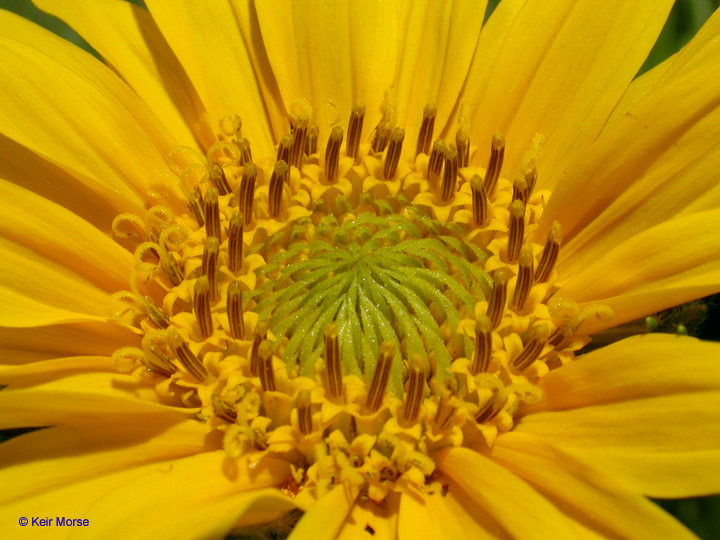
x=206 y=39
x=556 y=68
x=669 y=264
x=54 y=457
x=331 y=54
x=518 y=508
x=61 y=237
x=369 y=520
x=438 y=42
x=584 y=491
x=326 y=517
x=128 y=39
x=21 y=345
x=36 y=373
x=67 y=107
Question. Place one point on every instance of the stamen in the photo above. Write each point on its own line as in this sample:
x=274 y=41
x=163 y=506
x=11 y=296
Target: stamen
x=332 y=361
x=550 y=253
x=304 y=412
x=426 y=130
x=517 y=230
x=296 y=152
x=436 y=161
x=247 y=191
x=212 y=213
x=531 y=179
x=218 y=178
x=520 y=189
x=381 y=375
x=260 y=335
x=483 y=345
x=197 y=206
x=392 y=156
x=235 y=311
x=285 y=147
x=524 y=278
x=446 y=410
x=531 y=351
x=266 y=373
x=479 y=201
x=235 y=242
x=491 y=408
x=381 y=137
x=413 y=396
x=201 y=306
x=355 y=130
x=332 y=153
x=497 y=152
x=187 y=358
x=462 y=141
x=498 y=296
x=210 y=264
x=311 y=140
x=245 y=153
x=560 y=334
x=170 y=267
x=155 y=314
x=277 y=183
x=450 y=175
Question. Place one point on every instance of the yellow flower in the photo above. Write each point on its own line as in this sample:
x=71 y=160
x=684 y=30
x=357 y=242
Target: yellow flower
x=340 y=256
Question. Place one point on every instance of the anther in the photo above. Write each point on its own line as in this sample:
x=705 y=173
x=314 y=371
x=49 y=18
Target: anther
x=197 y=206
x=260 y=335
x=426 y=130
x=531 y=179
x=311 y=140
x=218 y=178
x=491 y=408
x=381 y=376
x=277 y=184
x=524 y=278
x=354 y=131
x=210 y=264
x=520 y=189
x=304 y=412
x=413 y=396
x=296 y=151
x=187 y=358
x=392 y=156
x=381 y=137
x=247 y=191
x=446 y=409
x=498 y=296
x=332 y=361
x=531 y=351
x=235 y=242
x=245 y=153
x=235 y=311
x=483 y=345
x=497 y=152
x=155 y=314
x=212 y=213
x=517 y=230
x=462 y=141
x=436 y=161
x=201 y=306
x=479 y=200
x=560 y=334
x=550 y=253
x=332 y=153
x=285 y=147
x=449 y=175
x=170 y=267
x=266 y=371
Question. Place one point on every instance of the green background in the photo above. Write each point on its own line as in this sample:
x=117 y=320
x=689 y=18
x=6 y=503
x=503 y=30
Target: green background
x=702 y=515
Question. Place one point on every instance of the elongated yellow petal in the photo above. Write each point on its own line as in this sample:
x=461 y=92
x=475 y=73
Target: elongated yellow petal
x=128 y=39
x=556 y=68
x=206 y=40
x=36 y=373
x=664 y=266
x=325 y=518
x=64 y=105
x=588 y=492
x=370 y=520
x=518 y=508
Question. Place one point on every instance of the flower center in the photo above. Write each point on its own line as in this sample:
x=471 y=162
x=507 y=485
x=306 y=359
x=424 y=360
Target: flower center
x=351 y=310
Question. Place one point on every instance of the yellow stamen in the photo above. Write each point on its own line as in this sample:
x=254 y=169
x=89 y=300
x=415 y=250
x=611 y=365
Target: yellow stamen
x=311 y=140
x=354 y=131
x=479 y=201
x=201 y=306
x=212 y=213
x=497 y=152
x=218 y=178
x=496 y=304
x=170 y=268
x=332 y=153
x=436 y=161
x=265 y=361
x=187 y=358
x=155 y=314
x=426 y=130
x=531 y=179
x=247 y=191
x=304 y=412
x=462 y=141
x=449 y=175
x=260 y=335
x=381 y=375
x=520 y=189
x=531 y=351
x=210 y=264
x=285 y=147
x=413 y=396
x=332 y=361
x=560 y=334
x=524 y=278
x=277 y=183
x=392 y=156
x=491 y=408
x=550 y=253
x=300 y=132
x=235 y=242
x=245 y=153
x=235 y=310
x=517 y=230
x=197 y=206
x=483 y=345
x=381 y=137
